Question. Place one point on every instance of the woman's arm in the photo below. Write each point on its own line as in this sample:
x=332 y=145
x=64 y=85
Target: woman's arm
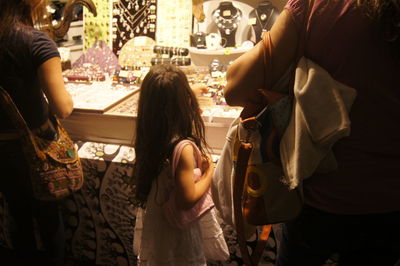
x=50 y=77
x=246 y=74
x=188 y=191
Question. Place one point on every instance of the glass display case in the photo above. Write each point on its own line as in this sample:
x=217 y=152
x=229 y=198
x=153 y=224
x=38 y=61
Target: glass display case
x=106 y=111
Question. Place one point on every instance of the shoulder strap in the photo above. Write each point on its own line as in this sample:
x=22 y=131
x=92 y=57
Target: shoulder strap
x=12 y=111
x=178 y=150
x=18 y=121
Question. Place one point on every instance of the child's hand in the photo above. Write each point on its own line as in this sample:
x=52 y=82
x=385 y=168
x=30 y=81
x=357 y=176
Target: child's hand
x=207 y=164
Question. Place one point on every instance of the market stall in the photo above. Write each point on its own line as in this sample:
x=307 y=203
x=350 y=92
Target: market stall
x=105 y=56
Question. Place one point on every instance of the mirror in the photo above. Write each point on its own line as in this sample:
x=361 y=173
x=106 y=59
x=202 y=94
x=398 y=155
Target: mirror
x=62 y=13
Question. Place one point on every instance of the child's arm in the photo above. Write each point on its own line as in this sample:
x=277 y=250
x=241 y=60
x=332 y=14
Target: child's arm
x=189 y=192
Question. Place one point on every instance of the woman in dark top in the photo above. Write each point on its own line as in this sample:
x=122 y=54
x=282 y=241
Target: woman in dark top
x=29 y=69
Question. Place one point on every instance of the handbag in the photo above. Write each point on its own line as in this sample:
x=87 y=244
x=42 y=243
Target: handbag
x=260 y=195
x=55 y=168
x=214 y=244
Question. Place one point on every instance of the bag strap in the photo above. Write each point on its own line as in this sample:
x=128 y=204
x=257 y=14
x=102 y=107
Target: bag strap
x=245 y=150
x=12 y=111
x=178 y=150
x=17 y=120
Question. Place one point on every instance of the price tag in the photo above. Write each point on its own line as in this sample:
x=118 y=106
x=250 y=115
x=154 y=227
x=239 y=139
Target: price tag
x=252 y=21
x=123 y=74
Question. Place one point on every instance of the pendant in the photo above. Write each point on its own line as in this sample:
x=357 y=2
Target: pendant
x=263 y=17
x=227 y=31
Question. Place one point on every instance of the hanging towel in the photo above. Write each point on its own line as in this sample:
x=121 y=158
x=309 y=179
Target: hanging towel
x=319 y=118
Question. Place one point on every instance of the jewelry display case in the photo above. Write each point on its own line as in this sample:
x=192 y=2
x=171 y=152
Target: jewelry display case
x=106 y=111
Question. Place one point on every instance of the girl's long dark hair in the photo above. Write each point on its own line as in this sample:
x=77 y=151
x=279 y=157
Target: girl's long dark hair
x=168 y=110
x=387 y=13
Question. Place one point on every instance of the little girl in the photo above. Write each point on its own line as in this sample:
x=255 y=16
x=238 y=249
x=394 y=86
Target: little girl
x=168 y=113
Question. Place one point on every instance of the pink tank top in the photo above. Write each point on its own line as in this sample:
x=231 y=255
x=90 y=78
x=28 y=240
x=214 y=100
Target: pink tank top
x=183 y=218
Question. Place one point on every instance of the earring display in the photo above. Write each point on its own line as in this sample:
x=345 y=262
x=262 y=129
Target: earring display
x=227 y=18
x=174 y=23
x=136 y=53
x=262 y=18
x=132 y=18
x=97 y=28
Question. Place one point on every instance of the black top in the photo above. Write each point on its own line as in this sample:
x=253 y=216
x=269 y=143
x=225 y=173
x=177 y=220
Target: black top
x=20 y=57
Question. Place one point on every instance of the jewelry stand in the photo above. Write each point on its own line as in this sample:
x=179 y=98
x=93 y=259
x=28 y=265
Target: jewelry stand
x=227 y=18
x=262 y=18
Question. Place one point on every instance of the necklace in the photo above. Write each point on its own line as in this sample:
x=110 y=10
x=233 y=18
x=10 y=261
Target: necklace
x=230 y=24
x=265 y=18
x=132 y=18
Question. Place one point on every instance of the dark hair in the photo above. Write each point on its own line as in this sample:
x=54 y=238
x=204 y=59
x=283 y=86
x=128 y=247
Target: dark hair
x=13 y=13
x=168 y=111
x=20 y=16
x=387 y=13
